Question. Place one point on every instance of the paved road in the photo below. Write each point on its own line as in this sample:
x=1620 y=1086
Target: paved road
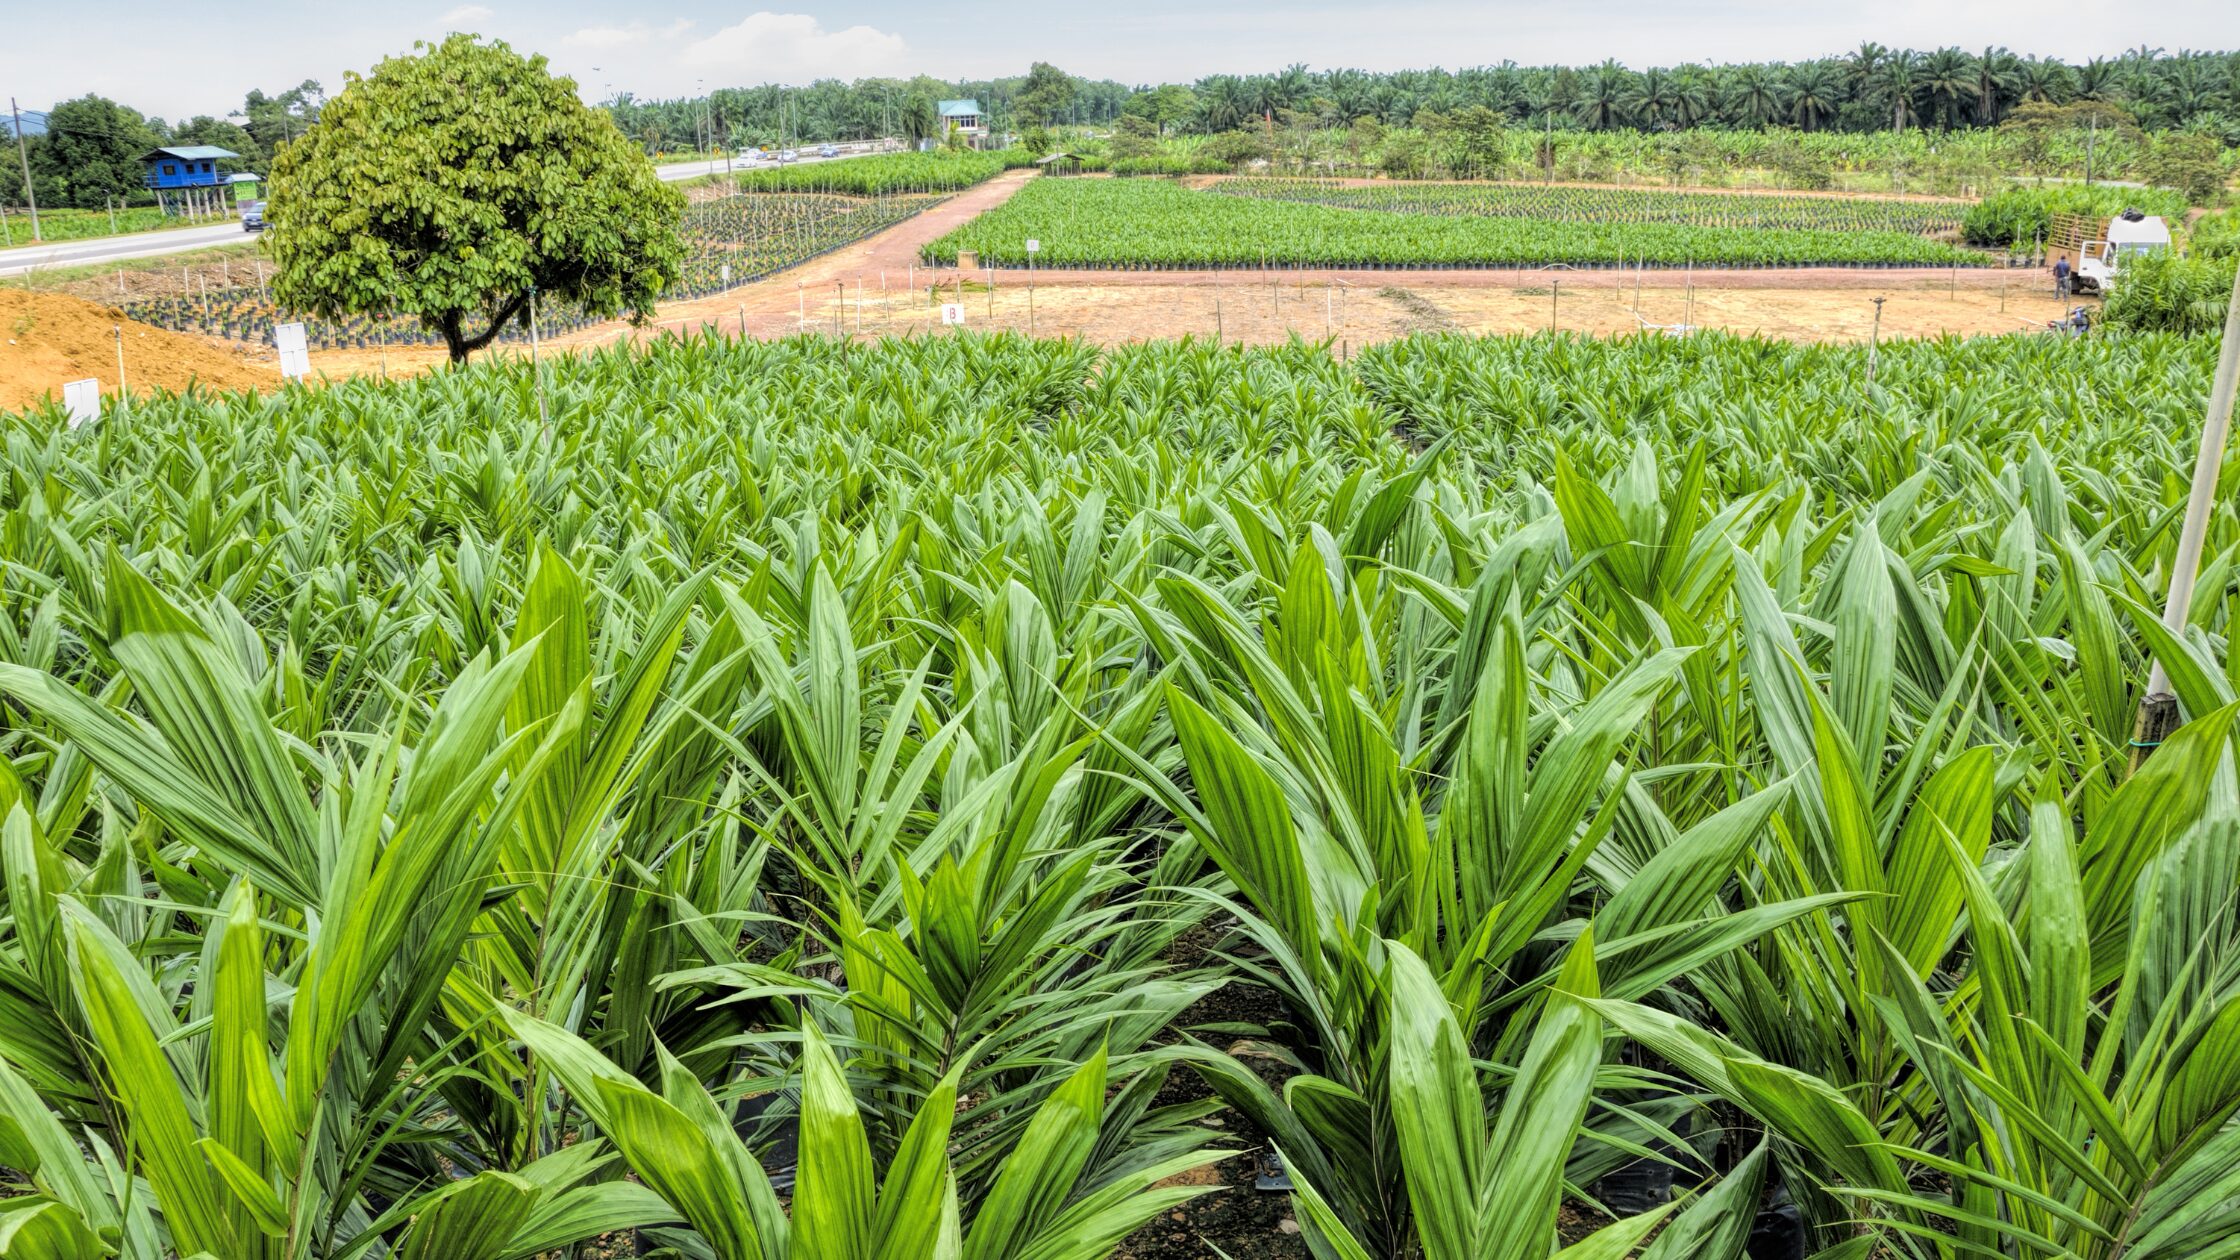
x=16 y=262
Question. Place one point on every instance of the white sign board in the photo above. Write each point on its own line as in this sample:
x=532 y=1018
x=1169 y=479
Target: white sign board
x=295 y=359
x=81 y=401
x=952 y=312
x=1034 y=246
x=727 y=273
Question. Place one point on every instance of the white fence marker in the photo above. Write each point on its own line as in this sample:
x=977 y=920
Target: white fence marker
x=81 y=400
x=295 y=358
x=952 y=312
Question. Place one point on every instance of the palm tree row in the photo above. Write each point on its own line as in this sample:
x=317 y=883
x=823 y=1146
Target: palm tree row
x=1870 y=88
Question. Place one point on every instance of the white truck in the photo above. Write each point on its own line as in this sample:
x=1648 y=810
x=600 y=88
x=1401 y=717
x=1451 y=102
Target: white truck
x=2129 y=233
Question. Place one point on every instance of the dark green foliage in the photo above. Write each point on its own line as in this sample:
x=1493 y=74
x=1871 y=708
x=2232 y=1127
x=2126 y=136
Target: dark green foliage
x=401 y=201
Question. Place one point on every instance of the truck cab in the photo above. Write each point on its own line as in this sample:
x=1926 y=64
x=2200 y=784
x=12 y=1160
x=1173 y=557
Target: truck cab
x=2128 y=234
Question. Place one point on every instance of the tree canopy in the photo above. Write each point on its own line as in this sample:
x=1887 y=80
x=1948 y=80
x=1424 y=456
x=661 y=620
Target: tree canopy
x=1046 y=93
x=453 y=184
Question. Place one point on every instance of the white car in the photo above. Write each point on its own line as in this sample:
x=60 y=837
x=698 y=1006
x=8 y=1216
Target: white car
x=789 y=155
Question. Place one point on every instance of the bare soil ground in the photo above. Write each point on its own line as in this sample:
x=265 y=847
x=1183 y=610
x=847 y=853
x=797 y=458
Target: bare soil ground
x=47 y=339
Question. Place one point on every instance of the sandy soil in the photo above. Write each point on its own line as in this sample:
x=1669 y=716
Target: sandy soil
x=1360 y=314
x=52 y=338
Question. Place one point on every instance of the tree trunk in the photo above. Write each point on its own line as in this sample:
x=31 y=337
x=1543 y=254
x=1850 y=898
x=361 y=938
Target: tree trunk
x=460 y=345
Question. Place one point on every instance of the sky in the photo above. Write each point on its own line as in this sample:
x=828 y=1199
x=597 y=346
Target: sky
x=177 y=58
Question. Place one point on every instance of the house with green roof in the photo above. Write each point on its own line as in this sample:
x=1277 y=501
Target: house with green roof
x=964 y=117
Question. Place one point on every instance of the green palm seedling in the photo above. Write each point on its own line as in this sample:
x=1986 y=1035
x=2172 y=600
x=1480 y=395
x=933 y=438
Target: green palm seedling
x=2071 y=1082
x=1480 y=1194
x=1049 y=1199
x=1338 y=828
x=228 y=1170
x=989 y=942
x=305 y=1150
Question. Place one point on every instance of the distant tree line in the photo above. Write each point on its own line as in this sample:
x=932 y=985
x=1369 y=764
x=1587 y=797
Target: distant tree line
x=87 y=153
x=1871 y=88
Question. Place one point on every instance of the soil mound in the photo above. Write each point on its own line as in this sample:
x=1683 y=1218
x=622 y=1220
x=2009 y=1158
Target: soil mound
x=49 y=338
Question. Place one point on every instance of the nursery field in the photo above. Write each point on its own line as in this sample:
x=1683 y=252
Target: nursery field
x=974 y=796
x=1571 y=204
x=885 y=173
x=1157 y=223
x=730 y=241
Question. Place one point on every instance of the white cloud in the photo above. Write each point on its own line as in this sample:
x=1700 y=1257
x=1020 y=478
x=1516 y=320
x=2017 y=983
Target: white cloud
x=623 y=36
x=608 y=36
x=466 y=14
x=792 y=47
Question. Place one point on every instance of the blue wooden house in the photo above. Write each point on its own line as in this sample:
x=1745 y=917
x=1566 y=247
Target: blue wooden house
x=186 y=178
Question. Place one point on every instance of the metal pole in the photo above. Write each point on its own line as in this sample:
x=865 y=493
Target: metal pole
x=30 y=194
x=2158 y=711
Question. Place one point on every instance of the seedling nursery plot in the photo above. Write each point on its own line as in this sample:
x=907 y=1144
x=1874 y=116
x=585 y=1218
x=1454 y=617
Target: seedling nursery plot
x=731 y=240
x=1565 y=204
x=1158 y=223
x=994 y=786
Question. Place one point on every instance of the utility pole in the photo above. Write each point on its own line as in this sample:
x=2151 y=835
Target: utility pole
x=30 y=195
x=2158 y=709
x=2091 y=137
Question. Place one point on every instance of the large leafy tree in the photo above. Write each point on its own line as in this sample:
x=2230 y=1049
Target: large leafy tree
x=456 y=183
x=91 y=152
x=1046 y=94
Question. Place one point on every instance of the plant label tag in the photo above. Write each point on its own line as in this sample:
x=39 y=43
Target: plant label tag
x=295 y=359
x=81 y=401
x=1034 y=246
x=727 y=273
x=952 y=312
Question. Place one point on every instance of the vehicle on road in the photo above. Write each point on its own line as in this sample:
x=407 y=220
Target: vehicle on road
x=830 y=150
x=252 y=217
x=2128 y=234
x=789 y=155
